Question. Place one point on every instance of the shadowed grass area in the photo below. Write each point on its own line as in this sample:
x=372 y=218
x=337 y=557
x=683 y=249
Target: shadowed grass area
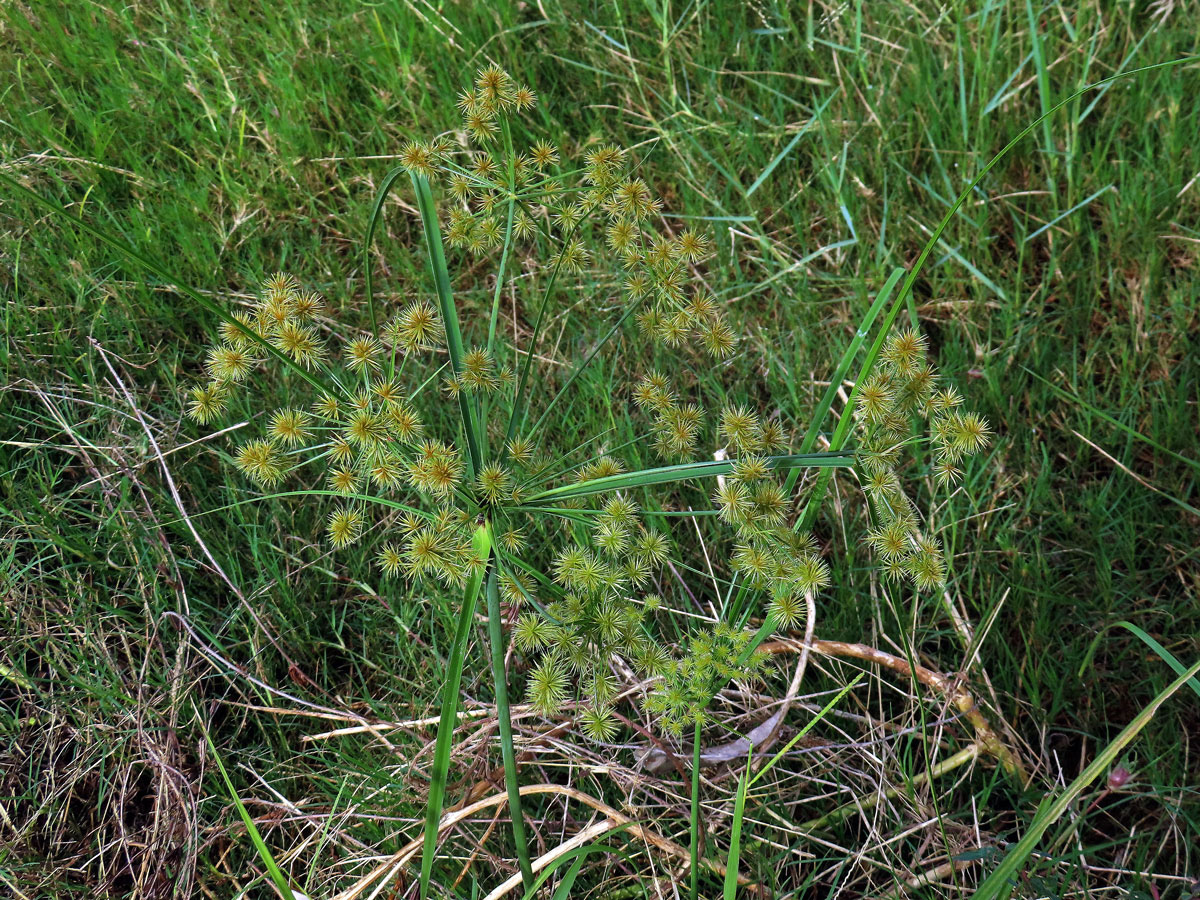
x=820 y=145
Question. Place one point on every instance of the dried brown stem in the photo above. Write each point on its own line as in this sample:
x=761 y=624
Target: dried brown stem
x=953 y=690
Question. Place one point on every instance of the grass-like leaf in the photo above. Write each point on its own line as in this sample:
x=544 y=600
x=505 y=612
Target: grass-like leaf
x=504 y=717
x=454 y=342
x=482 y=544
x=1000 y=882
x=686 y=472
x=260 y=846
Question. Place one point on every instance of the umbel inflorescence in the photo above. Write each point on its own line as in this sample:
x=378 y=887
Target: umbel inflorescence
x=359 y=433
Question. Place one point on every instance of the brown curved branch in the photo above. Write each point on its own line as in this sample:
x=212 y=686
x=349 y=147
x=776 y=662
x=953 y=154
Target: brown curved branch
x=987 y=738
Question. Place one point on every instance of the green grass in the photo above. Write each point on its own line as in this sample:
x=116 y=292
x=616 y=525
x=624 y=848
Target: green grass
x=233 y=141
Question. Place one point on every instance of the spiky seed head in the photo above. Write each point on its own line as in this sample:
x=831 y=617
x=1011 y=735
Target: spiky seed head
x=262 y=461
x=638 y=286
x=280 y=284
x=493 y=483
x=520 y=451
x=513 y=540
x=307 y=306
x=418 y=158
x=461 y=186
x=882 y=484
x=390 y=560
x=788 y=609
x=207 y=402
x=603 y=161
x=365 y=429
x=548 y=686
x=344 y=481
x=362 y=355
x=386 y=471
x=892 y=540
x=531 y=632
x=651 y=548
x=769 y=504
x=610 y=538
x=664 y=256
x=926 y=569
x=703 y=307
x=273 y=312
x=523 y=98
x=404 y=423
x=733 y=502
x=291 y=426
x=945 y=400
x=749 y=469
x=904 y=351
x=718 y=338
x=692 y=245
x=300 y=342
x=673 y=330
x=810 y=574
x=328 y=406
x=875 y=399
x=493 y=83
x=772 y=436
x=341 y=451
x=543 y=154
x=599 y=723
x=345 y=526
x=480 y=125
x=739 y=426
x=946 y=472
x=969 y=432
x=227 y=363
x=234 y=336
x=573 y=257
x=420 y=326
x=387 y=392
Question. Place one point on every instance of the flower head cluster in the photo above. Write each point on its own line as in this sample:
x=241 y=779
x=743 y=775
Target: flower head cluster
x=571 y=207
x=362 y=430
x=598 y=616
x=769 y=554
x=366 y=427
x=712 y=659
x=905 y=390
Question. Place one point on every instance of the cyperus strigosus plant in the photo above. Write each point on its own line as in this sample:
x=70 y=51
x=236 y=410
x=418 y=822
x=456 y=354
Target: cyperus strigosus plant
x=458 y=507
x=877 y=404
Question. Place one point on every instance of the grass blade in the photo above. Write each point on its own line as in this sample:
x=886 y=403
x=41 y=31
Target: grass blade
x=376 y=214
x=482 y=544
x=694 y=872
x=843 y=366
x=1163 y=653
x=735 y=835
x=260 y=846
x=154 y=266
x=1000 y=882
x=454 y=341
x=500 y=680
x=687 y=472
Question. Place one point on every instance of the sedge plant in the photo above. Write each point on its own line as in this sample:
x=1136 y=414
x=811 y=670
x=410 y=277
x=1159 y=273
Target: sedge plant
x=456 y=506
x=459 y=507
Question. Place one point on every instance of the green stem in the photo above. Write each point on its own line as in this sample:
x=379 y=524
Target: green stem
x=447 y=718
x=499 y=678
x=454 y=341
x=695 y=868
